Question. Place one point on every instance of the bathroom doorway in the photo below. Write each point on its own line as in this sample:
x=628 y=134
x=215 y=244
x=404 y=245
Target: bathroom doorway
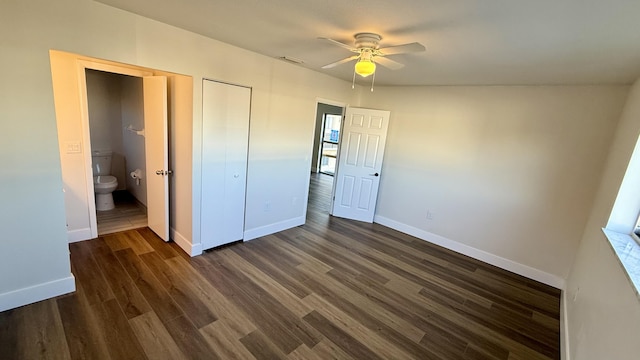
x=115 y=107
x=168 y=132
x=154 y=117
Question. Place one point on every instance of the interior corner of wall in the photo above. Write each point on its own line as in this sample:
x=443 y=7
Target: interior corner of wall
x=192 y=249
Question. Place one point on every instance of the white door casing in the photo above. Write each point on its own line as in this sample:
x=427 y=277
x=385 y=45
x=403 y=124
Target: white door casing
x=226 y=112
x=357 y=177
x=83 y=64
x=157 y=154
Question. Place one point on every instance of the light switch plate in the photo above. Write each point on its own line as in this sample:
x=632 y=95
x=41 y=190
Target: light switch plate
x=73 y=147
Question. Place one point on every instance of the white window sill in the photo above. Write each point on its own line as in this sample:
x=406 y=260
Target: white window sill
x=628 y=252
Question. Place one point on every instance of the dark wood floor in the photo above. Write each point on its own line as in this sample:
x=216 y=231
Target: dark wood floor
x=331 y=289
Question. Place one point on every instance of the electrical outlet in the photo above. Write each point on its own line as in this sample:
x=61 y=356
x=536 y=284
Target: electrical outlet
x=429 y=215
x=267 y=206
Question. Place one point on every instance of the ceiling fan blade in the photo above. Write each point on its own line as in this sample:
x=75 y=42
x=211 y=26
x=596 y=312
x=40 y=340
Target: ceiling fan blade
x=388 y=63
x=401 y=49
x=338 y=43
x=350 y=58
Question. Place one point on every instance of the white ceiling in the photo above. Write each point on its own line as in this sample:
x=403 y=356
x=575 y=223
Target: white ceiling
x=468 y=42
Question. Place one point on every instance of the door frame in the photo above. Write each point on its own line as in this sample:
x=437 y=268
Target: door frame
x=82 y=66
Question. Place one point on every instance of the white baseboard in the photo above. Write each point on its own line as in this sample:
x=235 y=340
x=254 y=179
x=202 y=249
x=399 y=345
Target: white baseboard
x=520 y=269
x=273 y=228
x=32 y=294
x=565 y=349
x=184 y=243
x=79 y=235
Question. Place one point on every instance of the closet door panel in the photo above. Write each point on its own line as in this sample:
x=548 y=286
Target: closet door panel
x=225 y=140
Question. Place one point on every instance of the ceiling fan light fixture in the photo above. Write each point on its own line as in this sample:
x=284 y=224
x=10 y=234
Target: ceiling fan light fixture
x=365 y=68
x=367 y=47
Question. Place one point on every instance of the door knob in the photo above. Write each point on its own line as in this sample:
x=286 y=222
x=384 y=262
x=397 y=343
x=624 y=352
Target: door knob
x=164 y=172
x=376 y=174
x=159 y=172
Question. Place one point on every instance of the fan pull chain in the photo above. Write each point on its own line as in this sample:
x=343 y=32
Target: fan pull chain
x=372 y=81
x=353 y=82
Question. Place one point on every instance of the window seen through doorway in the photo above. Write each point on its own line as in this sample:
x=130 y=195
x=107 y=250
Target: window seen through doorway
x=330 y=139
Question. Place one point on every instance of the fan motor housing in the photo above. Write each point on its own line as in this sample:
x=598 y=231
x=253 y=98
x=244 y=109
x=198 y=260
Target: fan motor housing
x=367 y=40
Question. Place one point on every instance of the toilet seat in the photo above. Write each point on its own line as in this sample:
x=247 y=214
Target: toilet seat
x=103 y=181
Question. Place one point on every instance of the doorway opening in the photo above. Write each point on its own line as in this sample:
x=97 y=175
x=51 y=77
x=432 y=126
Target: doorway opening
x=326 y=143
x=116 y=125
x=167 y=130
x=149 y=104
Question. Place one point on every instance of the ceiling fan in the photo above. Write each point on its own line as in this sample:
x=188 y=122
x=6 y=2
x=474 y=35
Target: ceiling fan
x=368 y=53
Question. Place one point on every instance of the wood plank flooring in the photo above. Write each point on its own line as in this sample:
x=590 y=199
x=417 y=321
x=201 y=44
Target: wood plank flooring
x=331 y=289
x=128 y=214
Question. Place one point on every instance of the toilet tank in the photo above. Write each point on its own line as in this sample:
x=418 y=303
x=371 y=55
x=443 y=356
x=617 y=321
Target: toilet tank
x=101 y=162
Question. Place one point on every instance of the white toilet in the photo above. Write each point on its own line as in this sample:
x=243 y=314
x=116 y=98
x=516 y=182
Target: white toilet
x=103 y=183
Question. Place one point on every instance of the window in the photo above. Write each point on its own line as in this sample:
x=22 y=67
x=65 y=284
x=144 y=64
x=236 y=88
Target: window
x=636 y=230
x=623 y=227
x=330 y=139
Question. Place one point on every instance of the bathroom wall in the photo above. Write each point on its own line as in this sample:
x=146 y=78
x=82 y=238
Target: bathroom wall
x=105 y=119
x=132 y=113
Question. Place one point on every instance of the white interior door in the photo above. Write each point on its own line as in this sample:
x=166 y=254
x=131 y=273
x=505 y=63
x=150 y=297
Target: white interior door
x=156 y=146
x=225 y=141
x=363 y=138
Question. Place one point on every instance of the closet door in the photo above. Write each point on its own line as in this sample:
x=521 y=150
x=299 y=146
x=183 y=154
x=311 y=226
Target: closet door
x=225 y=141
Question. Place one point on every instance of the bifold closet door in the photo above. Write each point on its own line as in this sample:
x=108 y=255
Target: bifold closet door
x=225 y=141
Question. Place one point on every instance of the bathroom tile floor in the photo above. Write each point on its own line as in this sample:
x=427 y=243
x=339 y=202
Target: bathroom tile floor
x=128 y=214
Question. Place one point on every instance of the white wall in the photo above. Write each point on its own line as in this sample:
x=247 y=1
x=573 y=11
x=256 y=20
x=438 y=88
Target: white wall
x=604 y=318
x=508 y=173
x=283 y=107
x=34 y=255
x=132 y=114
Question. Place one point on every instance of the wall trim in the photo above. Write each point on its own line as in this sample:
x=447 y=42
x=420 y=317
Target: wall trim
x=510 y=265
x=184 y=243
x=79 y=235
x=261 y=231
x=35 y=293
x=565 y=350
